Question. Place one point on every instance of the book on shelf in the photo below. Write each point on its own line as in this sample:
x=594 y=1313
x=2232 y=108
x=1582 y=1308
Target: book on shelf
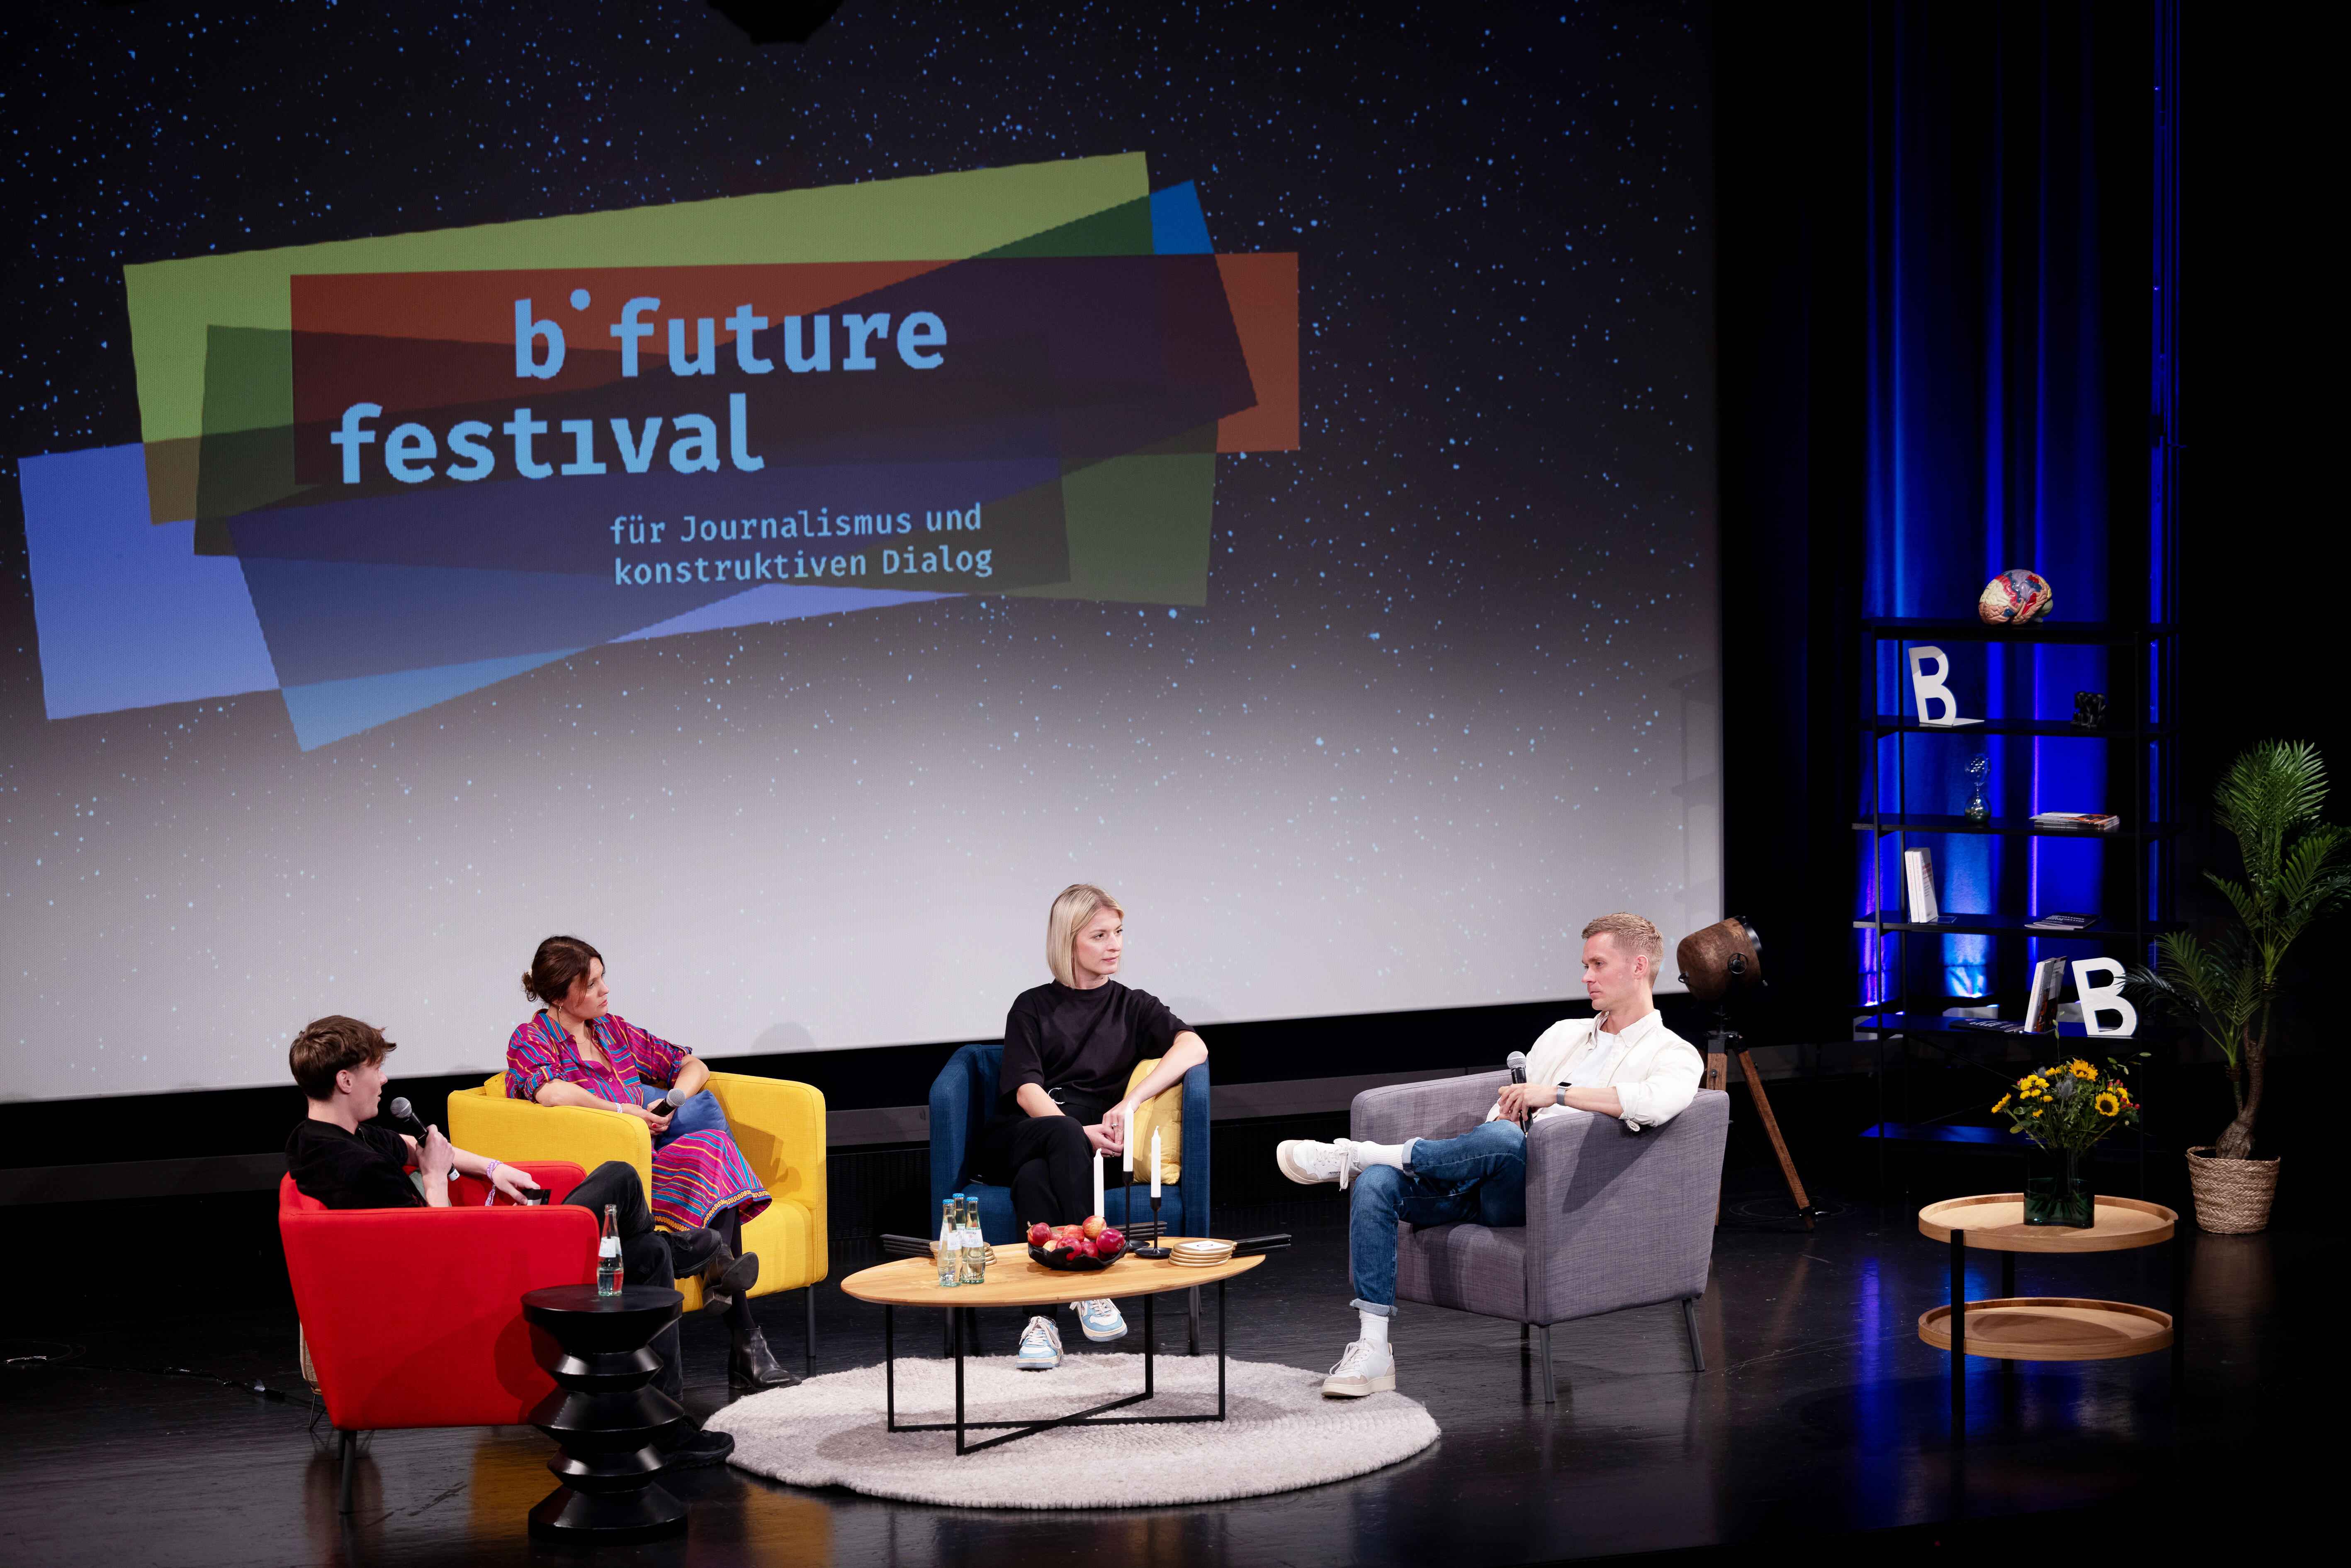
x=1989 y=1026
x=1919 y=885
x=2087 y=822
x=2062 y=920
x=2040 y=1006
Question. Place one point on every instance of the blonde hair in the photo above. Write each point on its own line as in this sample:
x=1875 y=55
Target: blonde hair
x=1636 y=937
x=1075 y=904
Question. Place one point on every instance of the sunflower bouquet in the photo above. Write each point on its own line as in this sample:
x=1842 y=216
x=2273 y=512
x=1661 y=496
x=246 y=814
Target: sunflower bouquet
x=2070 y=1106
x=2065 y=1110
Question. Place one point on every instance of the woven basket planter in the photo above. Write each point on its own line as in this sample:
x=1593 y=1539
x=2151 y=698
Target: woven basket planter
x=2232 y=1197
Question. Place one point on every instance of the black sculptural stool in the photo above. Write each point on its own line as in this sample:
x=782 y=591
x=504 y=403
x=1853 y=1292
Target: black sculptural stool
x=603 y=1412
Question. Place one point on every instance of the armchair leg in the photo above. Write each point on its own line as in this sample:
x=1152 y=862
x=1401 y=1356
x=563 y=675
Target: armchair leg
x=807 y=1342
x=1542 y=1351
x=348 y=1452
x=1689 y=1322
x=1194 y=1346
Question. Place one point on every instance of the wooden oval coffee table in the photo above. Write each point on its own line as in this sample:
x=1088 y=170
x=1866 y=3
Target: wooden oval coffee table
x=2012 y=1328
x=1015 y=1280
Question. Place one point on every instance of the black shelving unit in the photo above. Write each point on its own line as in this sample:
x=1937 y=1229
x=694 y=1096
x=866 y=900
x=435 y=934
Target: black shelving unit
x=2136 y=877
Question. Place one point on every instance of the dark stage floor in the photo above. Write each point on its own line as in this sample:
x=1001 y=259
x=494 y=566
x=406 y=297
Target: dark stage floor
x=1821 y=1415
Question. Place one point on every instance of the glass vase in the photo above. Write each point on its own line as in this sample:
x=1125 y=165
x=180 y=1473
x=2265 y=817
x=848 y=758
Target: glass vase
x=2057 y=1190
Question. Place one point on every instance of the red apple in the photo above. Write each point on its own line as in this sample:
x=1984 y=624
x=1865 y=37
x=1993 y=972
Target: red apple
x=1111 y=1242
x=1039 y=1233
x=1095 y=1225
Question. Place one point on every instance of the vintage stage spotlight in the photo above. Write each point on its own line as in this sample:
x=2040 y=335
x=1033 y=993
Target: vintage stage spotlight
x=1723 y=961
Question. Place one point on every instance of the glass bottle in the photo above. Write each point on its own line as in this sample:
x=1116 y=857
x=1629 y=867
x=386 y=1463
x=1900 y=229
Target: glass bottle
x=950 y=1242
x=975 y=1249
x=610 y=1275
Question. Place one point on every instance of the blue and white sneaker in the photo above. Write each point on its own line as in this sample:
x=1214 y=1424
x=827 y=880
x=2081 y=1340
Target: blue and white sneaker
x=1041 y=1346
x=1100 y=1319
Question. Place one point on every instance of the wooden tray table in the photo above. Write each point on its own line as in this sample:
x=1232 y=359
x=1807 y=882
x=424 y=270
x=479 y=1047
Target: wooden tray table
x=2014 y=1328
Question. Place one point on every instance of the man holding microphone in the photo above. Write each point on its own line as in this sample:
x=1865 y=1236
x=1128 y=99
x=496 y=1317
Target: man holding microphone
x=1621 y=1063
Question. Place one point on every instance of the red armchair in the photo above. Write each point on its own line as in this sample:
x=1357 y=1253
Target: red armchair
x=412 y=1317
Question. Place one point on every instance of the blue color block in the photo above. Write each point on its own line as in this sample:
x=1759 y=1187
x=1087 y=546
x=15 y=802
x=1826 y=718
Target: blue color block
x=128 y=614
x=779 y=601
x=1178 y=225
x=330 y=710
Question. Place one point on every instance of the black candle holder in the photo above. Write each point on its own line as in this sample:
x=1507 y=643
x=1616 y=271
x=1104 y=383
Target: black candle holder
x=1154 y=1249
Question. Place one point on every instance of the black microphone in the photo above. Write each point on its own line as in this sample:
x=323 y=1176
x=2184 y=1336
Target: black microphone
x=1517 y=1062
x=404 y=1116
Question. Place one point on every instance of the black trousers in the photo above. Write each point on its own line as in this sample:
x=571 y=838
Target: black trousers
x=645 y=1251
x=1047 y=1162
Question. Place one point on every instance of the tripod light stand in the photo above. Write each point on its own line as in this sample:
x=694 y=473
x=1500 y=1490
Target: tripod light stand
x=1716 y=963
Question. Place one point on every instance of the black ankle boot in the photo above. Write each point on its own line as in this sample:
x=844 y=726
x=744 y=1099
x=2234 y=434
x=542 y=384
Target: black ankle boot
x=752 y=1365
x=727 y=1279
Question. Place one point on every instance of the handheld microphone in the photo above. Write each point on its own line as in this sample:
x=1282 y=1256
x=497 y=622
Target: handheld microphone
x=404 y=1114
x=1517 y=1062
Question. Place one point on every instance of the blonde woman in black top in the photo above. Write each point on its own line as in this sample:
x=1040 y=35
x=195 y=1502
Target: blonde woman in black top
x=1070 y=1047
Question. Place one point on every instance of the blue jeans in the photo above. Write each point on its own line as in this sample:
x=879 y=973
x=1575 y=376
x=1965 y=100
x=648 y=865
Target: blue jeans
x=700 y=1113
x=1479 y=1176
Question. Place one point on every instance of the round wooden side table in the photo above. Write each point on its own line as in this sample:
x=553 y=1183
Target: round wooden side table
x=604 y=1412
x=2012 y=1328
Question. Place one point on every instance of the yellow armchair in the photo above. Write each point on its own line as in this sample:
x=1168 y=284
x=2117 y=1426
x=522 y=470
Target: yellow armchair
x=778 y=1124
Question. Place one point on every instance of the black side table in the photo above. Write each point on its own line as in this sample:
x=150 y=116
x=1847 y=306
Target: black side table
x=599 y=1349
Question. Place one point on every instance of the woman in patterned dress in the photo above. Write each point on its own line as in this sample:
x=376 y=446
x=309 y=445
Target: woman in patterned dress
x=576 y=1051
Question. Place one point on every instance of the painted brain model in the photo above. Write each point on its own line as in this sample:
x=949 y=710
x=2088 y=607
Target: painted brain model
x=2015 y=597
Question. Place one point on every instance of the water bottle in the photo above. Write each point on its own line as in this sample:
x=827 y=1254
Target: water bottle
x=610 y=1275
x=950 y=1243
x=975 y=1249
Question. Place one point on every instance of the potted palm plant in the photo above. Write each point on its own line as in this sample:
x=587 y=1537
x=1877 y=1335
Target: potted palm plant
x=2296 y=873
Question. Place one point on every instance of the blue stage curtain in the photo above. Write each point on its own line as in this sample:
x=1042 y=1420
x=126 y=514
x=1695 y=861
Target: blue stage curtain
x=1988 y=407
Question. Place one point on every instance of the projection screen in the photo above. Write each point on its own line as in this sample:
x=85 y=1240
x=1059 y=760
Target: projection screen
x=783 y=514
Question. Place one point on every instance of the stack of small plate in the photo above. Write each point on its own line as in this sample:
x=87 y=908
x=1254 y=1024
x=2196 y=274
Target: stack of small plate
x=1201 y=1254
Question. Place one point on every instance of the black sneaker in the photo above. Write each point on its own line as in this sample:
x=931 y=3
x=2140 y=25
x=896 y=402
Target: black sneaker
x=693 y=1447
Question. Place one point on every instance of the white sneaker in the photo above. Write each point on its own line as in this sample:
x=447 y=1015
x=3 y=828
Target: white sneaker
x=1041 y=1346
x=1305 y=1161
x=1101 y=1320
x=1365 y=1369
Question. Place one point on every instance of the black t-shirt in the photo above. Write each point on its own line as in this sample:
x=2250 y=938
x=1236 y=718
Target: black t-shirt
x=351 y=1170
x=1081 y=1045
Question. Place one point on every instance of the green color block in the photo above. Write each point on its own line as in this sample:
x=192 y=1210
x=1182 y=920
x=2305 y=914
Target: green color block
x=1122 y=230
x=927 y=217
x=1140 y=529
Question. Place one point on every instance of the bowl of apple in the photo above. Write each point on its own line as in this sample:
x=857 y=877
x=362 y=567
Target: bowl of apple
x=1086 y=1249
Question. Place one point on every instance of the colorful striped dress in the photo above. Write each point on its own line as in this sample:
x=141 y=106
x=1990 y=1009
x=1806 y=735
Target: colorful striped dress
x=696 y=1174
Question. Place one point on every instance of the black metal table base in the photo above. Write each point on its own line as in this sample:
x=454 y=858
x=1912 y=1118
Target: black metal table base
x=1958 y=1299
x=1015 y=1430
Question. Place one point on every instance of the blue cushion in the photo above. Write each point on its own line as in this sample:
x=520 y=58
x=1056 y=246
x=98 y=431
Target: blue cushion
x=961 y=1101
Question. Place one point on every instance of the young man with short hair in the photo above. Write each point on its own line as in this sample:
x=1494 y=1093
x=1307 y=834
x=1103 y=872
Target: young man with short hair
x=338 y=1156
x=1621 y=1063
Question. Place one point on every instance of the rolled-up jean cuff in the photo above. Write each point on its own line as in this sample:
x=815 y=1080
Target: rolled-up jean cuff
x=1374 y=1308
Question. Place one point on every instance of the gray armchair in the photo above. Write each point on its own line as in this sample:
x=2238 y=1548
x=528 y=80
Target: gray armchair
x=1615 y=1219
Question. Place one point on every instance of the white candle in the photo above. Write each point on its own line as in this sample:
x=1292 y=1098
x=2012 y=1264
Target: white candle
x=1154 y=1161
x=1098 y=1182
x=1128 y=1139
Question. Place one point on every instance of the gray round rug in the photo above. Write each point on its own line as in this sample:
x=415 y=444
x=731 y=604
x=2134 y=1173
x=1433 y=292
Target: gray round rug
x=1278 y=1433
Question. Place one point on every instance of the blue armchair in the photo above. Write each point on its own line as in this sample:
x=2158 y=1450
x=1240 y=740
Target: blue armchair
x=961 y=1101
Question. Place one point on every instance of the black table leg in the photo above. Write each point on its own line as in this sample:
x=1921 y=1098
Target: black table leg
x=2179 y=1310
x=1959 y=1334
x=1146 y=1347
x=2007 y=1289
x=958 y=1394
x=1220 y=1350
x=889 y=1367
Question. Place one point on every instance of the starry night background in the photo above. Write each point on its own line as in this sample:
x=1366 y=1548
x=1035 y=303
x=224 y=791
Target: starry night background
x=1456 y=688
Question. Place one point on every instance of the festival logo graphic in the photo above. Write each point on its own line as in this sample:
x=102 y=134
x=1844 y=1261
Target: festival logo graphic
x=381 y=474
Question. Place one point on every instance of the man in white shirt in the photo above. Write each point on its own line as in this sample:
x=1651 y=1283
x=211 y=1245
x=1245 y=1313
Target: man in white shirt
x=1623 y=1062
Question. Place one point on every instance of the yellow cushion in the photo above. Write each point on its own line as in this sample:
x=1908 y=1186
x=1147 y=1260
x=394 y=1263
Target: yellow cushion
x=1164 y=1111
